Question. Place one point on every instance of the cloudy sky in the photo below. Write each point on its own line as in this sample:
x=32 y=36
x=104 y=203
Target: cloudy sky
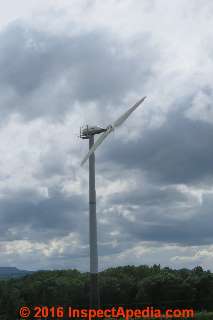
x=66 y=63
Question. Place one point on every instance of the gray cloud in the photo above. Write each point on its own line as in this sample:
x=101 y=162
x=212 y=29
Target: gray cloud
x=180 y=220
x=87 y=67
x=179 y=151
x=25 y=217
x=153 y=196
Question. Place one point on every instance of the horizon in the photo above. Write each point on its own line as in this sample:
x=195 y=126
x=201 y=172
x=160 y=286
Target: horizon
x=114 y=267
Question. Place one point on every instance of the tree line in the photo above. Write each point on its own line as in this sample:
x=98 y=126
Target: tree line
x=129 y=286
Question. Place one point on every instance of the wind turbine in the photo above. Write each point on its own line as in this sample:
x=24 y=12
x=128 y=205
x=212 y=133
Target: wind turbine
x=88 y=133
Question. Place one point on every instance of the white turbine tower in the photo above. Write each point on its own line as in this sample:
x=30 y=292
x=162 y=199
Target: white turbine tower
x=88 y=133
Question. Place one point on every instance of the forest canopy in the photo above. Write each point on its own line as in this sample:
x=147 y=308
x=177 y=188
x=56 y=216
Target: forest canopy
x=127 y=286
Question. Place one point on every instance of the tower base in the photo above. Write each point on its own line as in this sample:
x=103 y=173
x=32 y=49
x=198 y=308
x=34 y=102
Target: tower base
x=94 y=291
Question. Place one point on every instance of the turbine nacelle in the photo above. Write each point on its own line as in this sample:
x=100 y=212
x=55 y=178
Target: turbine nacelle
x=88 y=131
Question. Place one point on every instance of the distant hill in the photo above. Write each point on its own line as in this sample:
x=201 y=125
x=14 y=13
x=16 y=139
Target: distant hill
x=12 y=272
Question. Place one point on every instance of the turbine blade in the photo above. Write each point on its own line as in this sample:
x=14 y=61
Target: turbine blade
x=110 y=128
x=123 y=118
x=96 y=144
